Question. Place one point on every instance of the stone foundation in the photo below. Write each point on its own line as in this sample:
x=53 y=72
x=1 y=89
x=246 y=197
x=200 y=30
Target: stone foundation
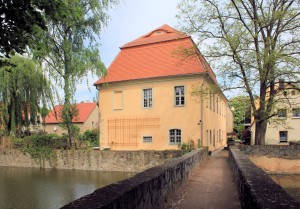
x=146 y=190
x=131 y=161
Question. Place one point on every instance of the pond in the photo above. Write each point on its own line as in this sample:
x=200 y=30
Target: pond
x=290 y=183
x=26 y=188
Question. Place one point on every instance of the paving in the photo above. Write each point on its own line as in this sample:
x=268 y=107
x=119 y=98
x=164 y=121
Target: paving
x=211 y=186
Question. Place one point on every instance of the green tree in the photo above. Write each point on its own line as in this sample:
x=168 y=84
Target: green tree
x=255 y=43
x=20 y=22
x=241 y=108
x=69 y=48
x=23 y=87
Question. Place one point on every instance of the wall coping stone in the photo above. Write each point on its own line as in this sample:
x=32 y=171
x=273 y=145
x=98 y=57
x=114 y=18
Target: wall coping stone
x=256 y=188
x=146 y=190
x=291 y=152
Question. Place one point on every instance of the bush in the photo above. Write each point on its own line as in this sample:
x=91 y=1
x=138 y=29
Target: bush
x=40 y=146
x=91 y=136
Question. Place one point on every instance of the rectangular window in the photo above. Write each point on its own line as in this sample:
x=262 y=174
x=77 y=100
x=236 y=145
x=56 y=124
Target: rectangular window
x=214 y=102
x=175 y=136
x=147 y=97
x=118 y=100
x=296 y=112
x=147 y=139
x=283 y=136
x=281 y=113
x=210 y=103
x=217 y=104
x=179 y=95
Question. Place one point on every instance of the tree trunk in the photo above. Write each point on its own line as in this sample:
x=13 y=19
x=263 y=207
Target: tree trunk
x=260 y=132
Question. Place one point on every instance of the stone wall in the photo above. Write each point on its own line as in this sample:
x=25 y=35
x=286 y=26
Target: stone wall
x=256 y=188
x=290 y=152
x=146 y=190
x=275 y=159
x=131 y=161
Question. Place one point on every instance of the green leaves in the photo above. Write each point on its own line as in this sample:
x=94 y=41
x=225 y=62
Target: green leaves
x=23 y=87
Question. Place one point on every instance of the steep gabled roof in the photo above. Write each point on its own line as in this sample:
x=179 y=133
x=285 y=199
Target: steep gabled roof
x=84 y=111
x=159 y=53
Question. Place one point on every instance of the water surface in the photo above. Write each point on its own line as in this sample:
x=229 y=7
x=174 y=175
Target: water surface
x=27 y=188
x=290 y=183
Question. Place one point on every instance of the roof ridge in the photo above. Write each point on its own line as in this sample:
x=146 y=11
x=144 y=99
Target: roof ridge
x=169 y=34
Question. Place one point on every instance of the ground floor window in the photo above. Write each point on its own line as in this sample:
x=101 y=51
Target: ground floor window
x=147 y=139
x=175 y=136
x=283 y=136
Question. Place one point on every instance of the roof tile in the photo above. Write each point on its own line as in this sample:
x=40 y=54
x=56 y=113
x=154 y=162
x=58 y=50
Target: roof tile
x=84 y=110
x=157 y=55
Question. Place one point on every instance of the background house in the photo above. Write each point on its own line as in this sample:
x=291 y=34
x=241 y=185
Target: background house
x=284 y=126
x=87 y=118
x=160 y=92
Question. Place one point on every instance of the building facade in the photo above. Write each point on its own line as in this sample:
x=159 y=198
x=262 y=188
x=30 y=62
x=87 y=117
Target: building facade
x=283 y=127
x=155 y=98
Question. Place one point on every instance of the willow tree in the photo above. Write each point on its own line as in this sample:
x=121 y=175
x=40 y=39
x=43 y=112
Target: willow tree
x=23 y=89
x=69 y=48
x=253 y=43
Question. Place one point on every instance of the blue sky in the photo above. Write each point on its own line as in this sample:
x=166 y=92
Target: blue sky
x=128 y=21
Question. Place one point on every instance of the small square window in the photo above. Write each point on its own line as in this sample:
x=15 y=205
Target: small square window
x=281 y=113
x=283 y=136
x=147 y=139
x=293 y=92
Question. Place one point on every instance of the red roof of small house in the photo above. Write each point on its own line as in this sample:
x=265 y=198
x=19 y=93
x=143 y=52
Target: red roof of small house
x=84 y=111
x=160 y=53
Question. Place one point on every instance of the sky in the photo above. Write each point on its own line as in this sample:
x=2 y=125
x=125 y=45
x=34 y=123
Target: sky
x=129 y=20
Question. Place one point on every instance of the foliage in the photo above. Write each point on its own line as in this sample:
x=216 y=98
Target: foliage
x=91 y=136
x=23 y=87
x=40 y=146
x=69 y=46
x=255 y=43
x=241 y=108
x=187 y=147
x=18 y=21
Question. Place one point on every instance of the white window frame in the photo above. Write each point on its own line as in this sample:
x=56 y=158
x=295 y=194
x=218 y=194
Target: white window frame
x=181 y=97
x=175 y=136
x=280 y=137
x=147 y=98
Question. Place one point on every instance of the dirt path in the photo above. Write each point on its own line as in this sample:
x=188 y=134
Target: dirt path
x=211 y=186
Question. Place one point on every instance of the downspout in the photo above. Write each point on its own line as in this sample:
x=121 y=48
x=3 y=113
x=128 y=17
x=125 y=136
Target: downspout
x=201 y=118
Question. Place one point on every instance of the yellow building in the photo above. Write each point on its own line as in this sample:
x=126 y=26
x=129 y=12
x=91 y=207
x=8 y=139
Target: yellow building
x=155 y=97
x=284 y=126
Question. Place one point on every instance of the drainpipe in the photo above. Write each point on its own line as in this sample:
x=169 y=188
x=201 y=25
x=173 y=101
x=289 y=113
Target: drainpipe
x=201 y=117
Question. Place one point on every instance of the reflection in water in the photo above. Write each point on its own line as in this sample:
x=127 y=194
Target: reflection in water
x=290 y=183
x=22 y=188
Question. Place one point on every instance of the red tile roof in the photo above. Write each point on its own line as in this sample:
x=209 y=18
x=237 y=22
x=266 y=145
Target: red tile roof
x=84 y=111
x=157 y=54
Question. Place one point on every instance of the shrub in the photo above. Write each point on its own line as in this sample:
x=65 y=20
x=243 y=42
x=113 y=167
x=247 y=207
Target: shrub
x=91 y=136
